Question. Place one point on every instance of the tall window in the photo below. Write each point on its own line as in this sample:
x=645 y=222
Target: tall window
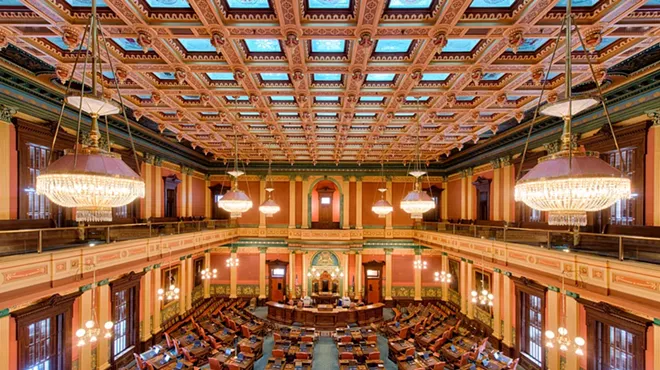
x=120 y=341
x=623 y=211
x=620 y=348
x=38 y=205
x=43 y=345
x=532 y=344
x=125 y=303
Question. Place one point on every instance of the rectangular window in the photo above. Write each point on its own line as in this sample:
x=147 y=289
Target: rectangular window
x=620 y=348
x=372 y=273
x=40 y=345
x=278 y=272
x=120 y=337
x=532 y=315
x=623 y=211
x=325 y=200
x=38 y=205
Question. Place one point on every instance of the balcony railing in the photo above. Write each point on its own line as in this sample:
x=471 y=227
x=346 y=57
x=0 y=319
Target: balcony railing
x=621 y=247
x=42 y=240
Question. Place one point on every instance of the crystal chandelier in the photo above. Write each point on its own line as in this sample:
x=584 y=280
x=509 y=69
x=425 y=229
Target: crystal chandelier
x=561 y=339
x=269 y=207
x=172 y=292
x=483 y=297
x=209 y=274
x=235 y=201
x=91 y=178
x=417 y=202
x=232 y=262
x=92 y=332
x=382 y=207
x=569 y=183
x=419 y=265
x=442 y=277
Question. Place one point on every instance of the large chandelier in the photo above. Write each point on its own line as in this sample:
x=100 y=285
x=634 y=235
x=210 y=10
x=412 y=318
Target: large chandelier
x=235 y=201
x=91 y=178
x=417 y=202
x=382 y=207
x=442 y=277
x=269 y=207
x=569 y=183
x=172 y=292
x=562 y=339
x=207 y=274
x=92 y=331
x=232 y=262
x=483 y=296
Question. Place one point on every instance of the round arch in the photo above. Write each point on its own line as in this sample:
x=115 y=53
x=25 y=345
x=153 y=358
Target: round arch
x=309 y=200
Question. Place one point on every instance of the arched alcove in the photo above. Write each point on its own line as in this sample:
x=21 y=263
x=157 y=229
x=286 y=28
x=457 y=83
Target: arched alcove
x=325 y=204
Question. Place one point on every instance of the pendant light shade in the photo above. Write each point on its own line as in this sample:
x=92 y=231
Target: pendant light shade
x=93 y=105
x=269 y=207
x=382 y=207
x=417 y=202
x=566 y=108
x=235 y=201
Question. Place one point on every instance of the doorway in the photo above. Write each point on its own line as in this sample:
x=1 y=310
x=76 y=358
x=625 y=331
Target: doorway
x=482 y=186
x=373 y=282
x=325 y=206
x=277 y=280
x=171 y=184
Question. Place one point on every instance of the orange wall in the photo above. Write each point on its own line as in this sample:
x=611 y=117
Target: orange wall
x=403 y=274
x=434 y=264
x=219 y=262
x=281 y=196
x=299 y=200
x=198 y=196
x=351 y=203
x=454 y=199
x=370 y=195
x=251 y=217
x=247 y=272
x=13 y=174
x=650 y=173
x=399 y=217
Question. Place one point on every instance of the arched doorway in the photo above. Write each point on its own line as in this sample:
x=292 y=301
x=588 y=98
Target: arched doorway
x=326 y=205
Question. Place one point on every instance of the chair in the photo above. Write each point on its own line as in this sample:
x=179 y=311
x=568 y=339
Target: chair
x=168 y=340
x=278 y=353
x=245 y=331
x=214 y=343
x=177 y=348
x=190 y=358
x=464 y=359
x=346 y=356
x=234 y=367
x=372 y=339
x=439 y=366
x=245 y=349
x=302 y=356
x=214 y=364
x=277 y=336
x=253 y=304
x=410 y=352
x=140 y=363
x=374 y=356
x=346 y=339
x=514 y=364
x=307 y=339
x=403 y=334
x=458 y=325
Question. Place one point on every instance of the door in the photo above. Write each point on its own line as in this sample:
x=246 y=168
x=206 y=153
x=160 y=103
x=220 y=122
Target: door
x=276 y=280
x=170 y=203
x=276 y=288
x=373 y=280
x=373 y=290
x=325 y=208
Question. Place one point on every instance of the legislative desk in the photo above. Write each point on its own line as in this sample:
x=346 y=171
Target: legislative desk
x=335 y=318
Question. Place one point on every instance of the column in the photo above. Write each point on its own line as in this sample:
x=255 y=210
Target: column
x=292 y=202
x=183 y=187
x=464 y=187
x=158 y=186
x=190 y=281
x=469 y=288
x=207 y=265
x=358 y=203
x=462 y=281
x=445 y=268
x=418 y=276
x=344 y=269
x=303 y=277
x=507 y=336
x=4 y=339
x=656 y=343
x=507 y=189
x=233 y=275
x=346 y=209
x=497 y=304
x=262 y=198
x=305 y=203
x=552 y=322
x=148 y=184
x=183 y=277
x=653 y=151
x=573 y=327
x=103 y=303
x=496 y=196
x=262 y=272
x=388 y=272
x=388 y=196
x=156 y=285
x=292 y=273
x=85 y=314
x=471 y=193
x=147 y=296
x=207 y=198
x=443 y=201
x=358 y=275
x=7 y=166
x=189 y=188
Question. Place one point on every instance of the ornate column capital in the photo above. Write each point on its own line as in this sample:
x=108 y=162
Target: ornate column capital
x=506 y=161
x=6 y=113
x=263 y=249
x=388 y=251
x=158 y=161
x=495 y=163
x=654 y=115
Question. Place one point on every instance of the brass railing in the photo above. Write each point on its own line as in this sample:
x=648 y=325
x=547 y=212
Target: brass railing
x=621 y=247
x=48 y=239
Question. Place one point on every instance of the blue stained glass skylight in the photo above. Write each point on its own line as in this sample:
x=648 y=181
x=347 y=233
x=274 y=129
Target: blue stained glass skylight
x=165 y=75
x=59 y=42
x=249 y=113
x=607 y=41
x=492 y=3
x=109 y=75
x=325 y=4
x=144 y=96
x=414 y=98
x=240 y=98
x=254 y=4
x=577 y=3
x=282 y=98
x=652 y=3
x=190 y=97
x=330 y=77
x=393 y=46
x=551 y=75
x=404 y=114
x=381 y=77
x=327 y=98
x=73 y=3
x=197 y=45
x=409 y=4
x=274 y=76
x=287 y=114
x=464 y=98
x=328 y=46
x=128 y=44
x=263 y=45
x=460 y=45
x=378 y=99
x=512 y=97
x=164 y=4
x=492 y=76
x=220 y=76
x=364 y=114
x=530 y=45
x=326 y=114
x=435 y=76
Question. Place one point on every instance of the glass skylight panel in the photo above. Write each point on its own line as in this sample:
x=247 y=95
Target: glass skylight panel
x=59 y=42
x=530 y=45
x=163 y=4
x=190 y=97
x=607 y=41
x=128 y=44
x=551 y=75
x=460 y=45
x=251 y=114
x=490 y=76
x=381 y=77
x=282 y=98
x=73 y=3
x=409 y=4
x=209 y=113
x=325 y=4
x=109 y=74
x=274 y=76
x=365 y=115
x=414 y=99
x=577 y=3
x=492 y=3
x=239 y=98
x=512 y=97
x=445 y=114
x=220 y=76
x=287 y=114
x=372 y=99
x=329 y=77
x=464 y=98
x=197 y=45
x=326 y=114
x=263 y=45
x=252 y=4
x=435 y=76
x=404 y=114
x=328 y=46
x=393 y=46
x=165 y=75
x=327 y=98
x=144 y=96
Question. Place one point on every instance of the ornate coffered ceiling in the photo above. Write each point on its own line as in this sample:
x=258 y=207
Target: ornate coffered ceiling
x=306 y=81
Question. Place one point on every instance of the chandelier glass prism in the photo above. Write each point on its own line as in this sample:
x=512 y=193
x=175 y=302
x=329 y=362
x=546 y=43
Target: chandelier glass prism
x=269 y=207
x=92 y=331
x=571 y=182
x=561 y=339
x=172 y=292
x=382 y=207
x=91 y=178
x=235 y=201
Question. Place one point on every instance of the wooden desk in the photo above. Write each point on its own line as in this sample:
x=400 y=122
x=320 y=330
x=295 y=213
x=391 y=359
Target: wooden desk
x=417 y=362
x=246 y=364
x=338 y=317
x=368 y=365
x=256 y=346
x=398 y=348
x=325 y=298
x=283 y=365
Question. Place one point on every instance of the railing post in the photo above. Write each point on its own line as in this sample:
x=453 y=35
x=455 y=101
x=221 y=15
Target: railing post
x=453 y=229
x=475 y=231
x=40 y=243
x=548 y=244
x=621 y=255
x=107 y=235
x=150 y=229
x=504 y=233
x=178 y=228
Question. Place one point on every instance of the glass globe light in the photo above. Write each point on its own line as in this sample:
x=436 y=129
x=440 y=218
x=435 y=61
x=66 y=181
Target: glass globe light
x=108 y=325
x=562 y=331
x=549 y=334
x=80 y=333
x=92 y=339
x=579 y=341
x=89 y=324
